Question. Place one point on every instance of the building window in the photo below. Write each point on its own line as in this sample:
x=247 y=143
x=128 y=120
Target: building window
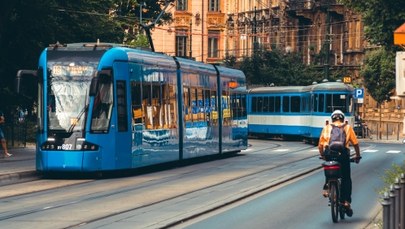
x=181 y=5
x=213 y=41
x=181 y=43
x=213 y=5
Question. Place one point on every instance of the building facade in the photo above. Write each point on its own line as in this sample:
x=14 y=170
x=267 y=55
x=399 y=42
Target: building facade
x=323 y=31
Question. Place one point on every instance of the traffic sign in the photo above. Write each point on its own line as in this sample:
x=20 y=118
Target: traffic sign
x=359 y=93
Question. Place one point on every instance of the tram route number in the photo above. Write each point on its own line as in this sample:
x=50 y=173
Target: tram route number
x=347 y=79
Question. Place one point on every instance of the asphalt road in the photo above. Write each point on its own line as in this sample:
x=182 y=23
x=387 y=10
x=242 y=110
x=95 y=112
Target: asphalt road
x=300 y=204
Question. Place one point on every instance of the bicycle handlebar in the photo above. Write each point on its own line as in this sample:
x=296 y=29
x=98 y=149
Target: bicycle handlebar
x=352 y=159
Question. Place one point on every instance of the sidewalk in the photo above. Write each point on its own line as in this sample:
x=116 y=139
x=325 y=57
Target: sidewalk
x=19 y=167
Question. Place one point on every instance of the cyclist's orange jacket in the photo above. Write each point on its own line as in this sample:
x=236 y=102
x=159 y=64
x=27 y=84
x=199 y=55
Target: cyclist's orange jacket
x=350 y=135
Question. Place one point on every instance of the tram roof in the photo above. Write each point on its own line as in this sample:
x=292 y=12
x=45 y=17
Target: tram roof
x=278 y=89
x=330 y=86
x=324 y=86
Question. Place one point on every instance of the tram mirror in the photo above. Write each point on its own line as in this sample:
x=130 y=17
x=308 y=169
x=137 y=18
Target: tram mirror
x=21 y=78
x=93 y=86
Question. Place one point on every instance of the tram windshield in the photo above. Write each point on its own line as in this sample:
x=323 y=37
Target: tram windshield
x=68 y=85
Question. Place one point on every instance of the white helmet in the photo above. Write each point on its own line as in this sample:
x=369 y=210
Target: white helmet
x=337 y=114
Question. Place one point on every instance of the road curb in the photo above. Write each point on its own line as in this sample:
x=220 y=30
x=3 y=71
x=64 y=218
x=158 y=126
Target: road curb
x=18 y=177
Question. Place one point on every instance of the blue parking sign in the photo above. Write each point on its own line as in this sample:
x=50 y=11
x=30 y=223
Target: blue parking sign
x=359 y=93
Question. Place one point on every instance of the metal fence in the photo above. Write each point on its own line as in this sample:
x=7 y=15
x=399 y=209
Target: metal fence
x=383 y=131
x=394 y=205
x=16 y=134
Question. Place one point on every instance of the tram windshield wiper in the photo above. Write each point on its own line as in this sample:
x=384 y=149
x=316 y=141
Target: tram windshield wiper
x=77 y=119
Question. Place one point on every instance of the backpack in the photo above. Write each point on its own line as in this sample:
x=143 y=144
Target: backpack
x=337 y=140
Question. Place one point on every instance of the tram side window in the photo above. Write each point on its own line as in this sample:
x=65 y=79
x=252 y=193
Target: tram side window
x=277 y=104
x=266 y=104
x=200 y=104
x=226 y=109
x=158 y=104
x=271 y=104
x=186 y=101
x=260 y=104
x=321 y=103
x=197 y=97
x=304 y=104
x=136 y=95
x=254 y=106
x=213 y=107
x=295 y=104
x=286 y=104
x=102 y=108
x=336 y=102
x=151 y=102
x=314 y=103
x=238 y=103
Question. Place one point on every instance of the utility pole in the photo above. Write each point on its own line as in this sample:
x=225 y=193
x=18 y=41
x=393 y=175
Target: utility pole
x=254 y=32
x=191 y=37
x=327 y=42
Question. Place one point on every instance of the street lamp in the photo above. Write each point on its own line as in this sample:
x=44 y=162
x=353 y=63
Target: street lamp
x=230 y=25
x=140 y=12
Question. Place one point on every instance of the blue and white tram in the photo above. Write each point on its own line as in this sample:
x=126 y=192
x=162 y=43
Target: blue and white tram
x=297 y=111
x=105 y=107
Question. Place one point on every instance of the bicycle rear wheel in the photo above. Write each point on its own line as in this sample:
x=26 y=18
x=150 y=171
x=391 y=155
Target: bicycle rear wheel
x=334 y=201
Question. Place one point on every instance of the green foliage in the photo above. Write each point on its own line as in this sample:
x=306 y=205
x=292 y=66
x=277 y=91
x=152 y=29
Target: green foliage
x=278 y=68
x=27 y=27
x=380 y=17
x=139 y=41
x=378 y=72
x=230 y=61
x=391 y=175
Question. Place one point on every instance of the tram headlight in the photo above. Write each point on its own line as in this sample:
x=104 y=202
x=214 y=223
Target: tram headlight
x=87 y=146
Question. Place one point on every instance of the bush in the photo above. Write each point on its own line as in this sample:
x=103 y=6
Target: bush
x=391 y=175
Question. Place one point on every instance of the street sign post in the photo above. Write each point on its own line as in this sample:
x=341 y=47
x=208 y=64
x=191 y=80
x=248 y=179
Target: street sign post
x=359 y=94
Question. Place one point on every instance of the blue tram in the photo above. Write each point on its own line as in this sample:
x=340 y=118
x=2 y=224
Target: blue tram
x=297 y=111
x=106 y=107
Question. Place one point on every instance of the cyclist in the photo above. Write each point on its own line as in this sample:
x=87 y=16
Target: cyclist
x=346 y=186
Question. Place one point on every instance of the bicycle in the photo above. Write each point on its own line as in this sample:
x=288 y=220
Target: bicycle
x=331 y=168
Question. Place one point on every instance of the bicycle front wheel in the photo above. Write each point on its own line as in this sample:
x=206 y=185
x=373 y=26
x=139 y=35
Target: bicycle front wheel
x=334 y=201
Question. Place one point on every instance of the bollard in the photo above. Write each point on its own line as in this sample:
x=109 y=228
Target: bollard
x=386 y=210
x=397 y=211
x=392 y=207
x=402 y=215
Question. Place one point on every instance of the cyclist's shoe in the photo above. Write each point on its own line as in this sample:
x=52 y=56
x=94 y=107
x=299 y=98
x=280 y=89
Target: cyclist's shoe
x=325 y=193
x=349 y=210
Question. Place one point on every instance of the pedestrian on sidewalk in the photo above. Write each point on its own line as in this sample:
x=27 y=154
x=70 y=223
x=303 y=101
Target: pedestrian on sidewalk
x=2 y=137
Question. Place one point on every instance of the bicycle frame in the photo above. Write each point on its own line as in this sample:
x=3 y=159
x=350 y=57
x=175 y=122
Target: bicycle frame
x=331 y=169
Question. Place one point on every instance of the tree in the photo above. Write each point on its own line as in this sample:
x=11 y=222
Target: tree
x=278 y=68
x=379 y=78
x=380 y=17
x=27 y=27
x=378 y=74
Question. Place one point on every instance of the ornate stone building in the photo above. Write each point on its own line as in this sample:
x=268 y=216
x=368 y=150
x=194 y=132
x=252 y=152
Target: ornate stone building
x=324 y=31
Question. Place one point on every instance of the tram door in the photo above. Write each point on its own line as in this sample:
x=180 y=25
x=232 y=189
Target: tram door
x=122 y=132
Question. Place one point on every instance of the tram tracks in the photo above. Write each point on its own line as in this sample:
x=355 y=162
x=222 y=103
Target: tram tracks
x=210 y=181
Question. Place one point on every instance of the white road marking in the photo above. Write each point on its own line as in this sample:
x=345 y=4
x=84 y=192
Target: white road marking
x=393 y=151
x=370 y=151
x=281 y=150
